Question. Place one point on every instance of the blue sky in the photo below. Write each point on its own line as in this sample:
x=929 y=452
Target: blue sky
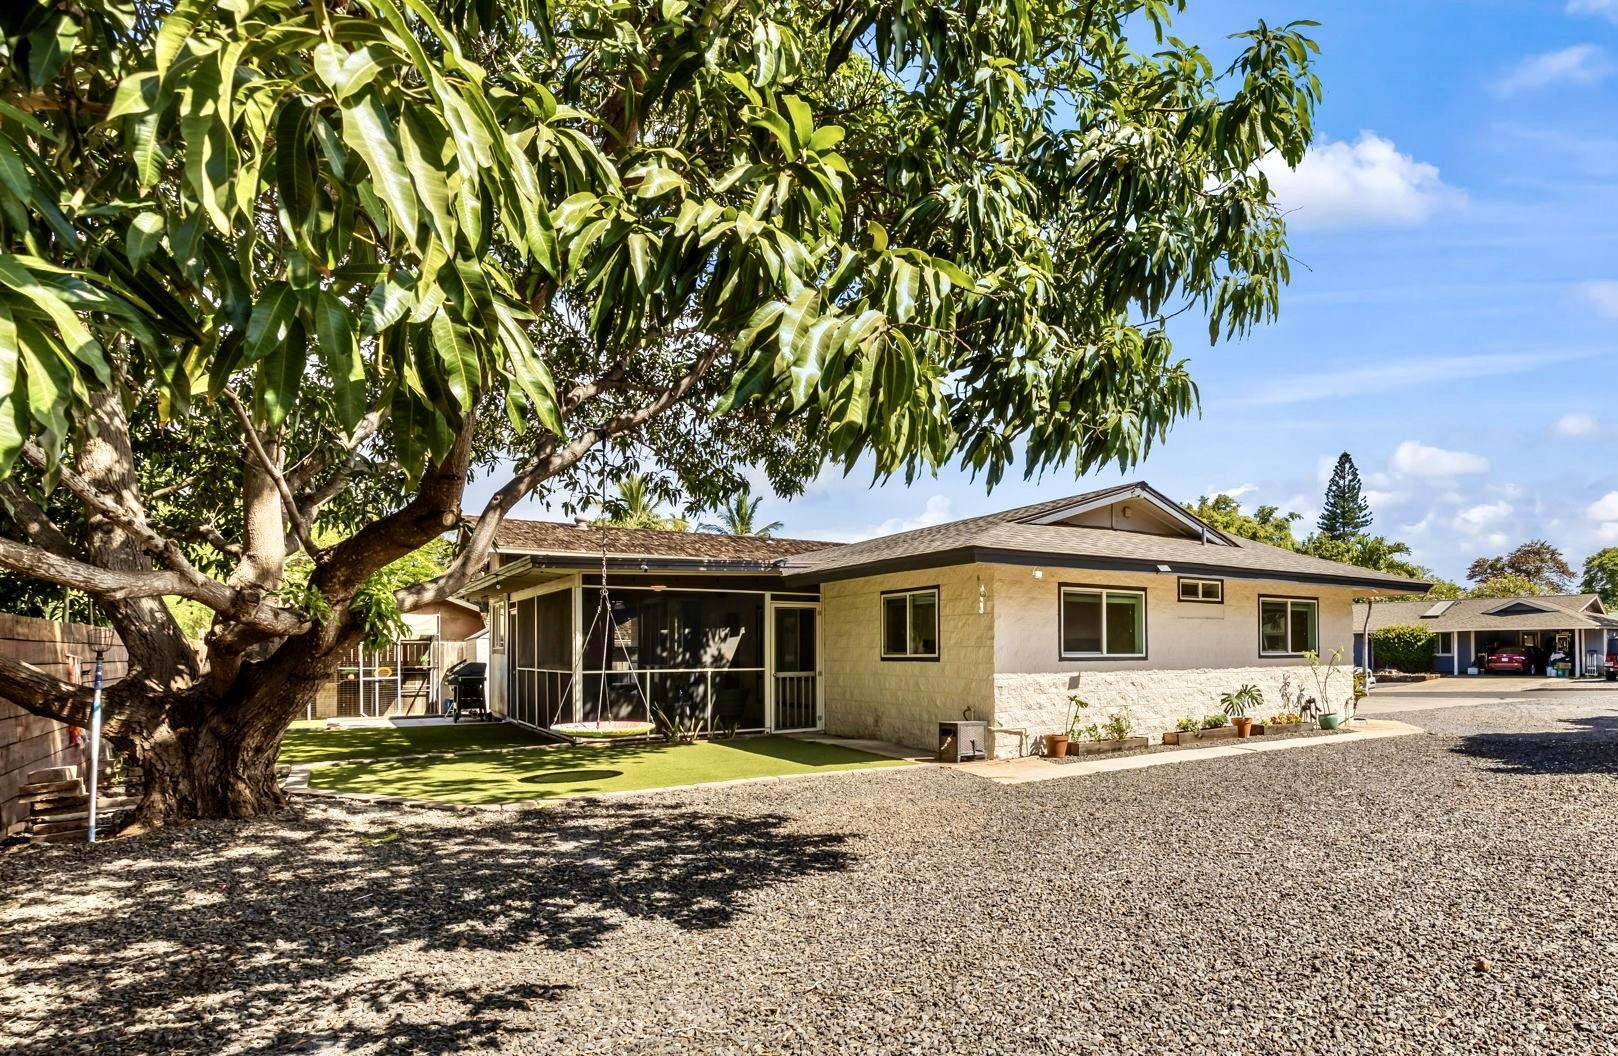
x=1453 y=321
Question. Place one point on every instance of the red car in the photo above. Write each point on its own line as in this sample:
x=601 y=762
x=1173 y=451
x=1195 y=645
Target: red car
x=1510 y=658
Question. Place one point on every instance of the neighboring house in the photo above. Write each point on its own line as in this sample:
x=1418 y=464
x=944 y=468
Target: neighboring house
x=1470 y=628
x=1118 y=595
x=405 y=676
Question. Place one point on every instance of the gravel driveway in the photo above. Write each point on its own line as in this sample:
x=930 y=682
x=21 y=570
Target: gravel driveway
x=1451 y=893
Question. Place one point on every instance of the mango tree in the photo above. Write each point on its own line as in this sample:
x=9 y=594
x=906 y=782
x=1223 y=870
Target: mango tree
x=278 y=276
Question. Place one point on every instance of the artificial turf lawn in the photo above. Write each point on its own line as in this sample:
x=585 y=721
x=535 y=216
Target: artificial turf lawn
x=552 y=773
x=312 y=742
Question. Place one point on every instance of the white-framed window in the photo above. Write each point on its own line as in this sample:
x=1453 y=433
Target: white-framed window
x=1446 y=643
x=1208 y=591
x=1103 y=622
x=910 y=624
x=1288 y=626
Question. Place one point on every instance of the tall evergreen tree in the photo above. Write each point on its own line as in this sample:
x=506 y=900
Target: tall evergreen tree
x=1346 y=513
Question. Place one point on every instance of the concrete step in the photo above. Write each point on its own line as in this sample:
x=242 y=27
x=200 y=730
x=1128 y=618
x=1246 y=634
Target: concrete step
x=65 y=836
x=53 y=773
x=50 y=828
x=73 y=815
x=57 y=804
x=51 y=788
x=119 y=802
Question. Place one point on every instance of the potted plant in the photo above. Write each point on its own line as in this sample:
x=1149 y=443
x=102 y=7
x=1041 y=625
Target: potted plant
x=1056 y=745
x=1236 y=705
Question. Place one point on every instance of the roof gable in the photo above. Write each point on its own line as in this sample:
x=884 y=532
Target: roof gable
x=1517 y=607
x=1130 y=508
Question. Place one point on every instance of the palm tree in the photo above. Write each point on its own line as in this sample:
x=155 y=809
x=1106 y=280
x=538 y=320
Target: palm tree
x=736 y=517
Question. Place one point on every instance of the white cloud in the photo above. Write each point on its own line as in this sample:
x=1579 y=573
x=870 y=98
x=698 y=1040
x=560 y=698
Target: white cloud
x=1578 y=424
x=1366 y=183
x=1236 y=492
x=1474 y=519
x=1412 y=459
x=1604 y=508
x=1495 y=539
x=937 y=511
x=1602 y=295
x=1379 y=498
x=1576 y=64
x=1410 y=372
x=1607 y=9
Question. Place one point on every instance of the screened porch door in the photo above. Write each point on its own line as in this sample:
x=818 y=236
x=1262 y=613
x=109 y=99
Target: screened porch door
x=794 y=667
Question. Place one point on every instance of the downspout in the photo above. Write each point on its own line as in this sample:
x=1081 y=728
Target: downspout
x=1369 y=667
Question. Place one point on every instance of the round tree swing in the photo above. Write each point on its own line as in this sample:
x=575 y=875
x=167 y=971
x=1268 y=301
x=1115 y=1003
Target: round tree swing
x=604 y=729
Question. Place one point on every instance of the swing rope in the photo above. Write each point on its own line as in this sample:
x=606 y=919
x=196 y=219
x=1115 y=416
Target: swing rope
x=610 y=633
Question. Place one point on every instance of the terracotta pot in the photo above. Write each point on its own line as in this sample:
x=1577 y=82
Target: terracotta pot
x=1056 y=745
x=1243 y=724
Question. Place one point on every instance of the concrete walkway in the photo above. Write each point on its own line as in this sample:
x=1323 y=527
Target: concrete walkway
x=1034 y=768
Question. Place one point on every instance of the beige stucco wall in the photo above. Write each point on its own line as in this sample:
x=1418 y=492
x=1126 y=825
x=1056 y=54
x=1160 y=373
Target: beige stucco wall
x=1195 y=652
x=1004 y=662
x=904 y=700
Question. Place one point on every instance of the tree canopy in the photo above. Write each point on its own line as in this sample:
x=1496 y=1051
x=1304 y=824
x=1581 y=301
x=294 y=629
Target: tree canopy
x=277 y=278
x=739 y=516
x=1266 y=524
x=1535 y=562
x=1601 y=576
x=1345 y=512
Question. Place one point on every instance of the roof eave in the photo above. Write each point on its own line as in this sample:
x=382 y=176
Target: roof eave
x=995 y=555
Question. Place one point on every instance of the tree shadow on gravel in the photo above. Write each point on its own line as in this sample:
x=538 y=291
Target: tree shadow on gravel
x=1591 y=750
x=187 y=939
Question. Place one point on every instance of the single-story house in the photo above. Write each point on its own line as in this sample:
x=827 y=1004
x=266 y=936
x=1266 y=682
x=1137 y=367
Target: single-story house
x=1120 y=596
x=1468 y=629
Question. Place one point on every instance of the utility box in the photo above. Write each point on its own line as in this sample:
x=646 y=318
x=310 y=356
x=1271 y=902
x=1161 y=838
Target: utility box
x=960 y=742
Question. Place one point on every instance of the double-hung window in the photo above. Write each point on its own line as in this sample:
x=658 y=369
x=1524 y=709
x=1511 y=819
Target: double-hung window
x=1103 y=622
x=1288 y=626
x=910 y=624
x=1446 y=643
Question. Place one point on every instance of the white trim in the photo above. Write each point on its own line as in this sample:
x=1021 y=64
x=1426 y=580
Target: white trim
x=564 y=583
x=1141 y=494
x=1103 y=593
x=910 y=610
x=1201 y=582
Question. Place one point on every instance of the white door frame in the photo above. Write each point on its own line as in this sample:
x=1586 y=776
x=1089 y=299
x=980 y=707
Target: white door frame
x=771 y=607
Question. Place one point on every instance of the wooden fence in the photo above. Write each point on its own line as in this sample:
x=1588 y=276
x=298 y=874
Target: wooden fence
x=28 y=742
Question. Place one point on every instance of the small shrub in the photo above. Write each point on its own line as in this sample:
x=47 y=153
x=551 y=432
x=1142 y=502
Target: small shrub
x=1213 y=722
x=1189 y=724
x=1409 y=649
x=1283 y=718
x=1117 y=726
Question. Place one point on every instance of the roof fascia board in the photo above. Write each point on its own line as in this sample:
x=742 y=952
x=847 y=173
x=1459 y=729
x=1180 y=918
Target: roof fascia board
x=990 y=555
x=1143 y=492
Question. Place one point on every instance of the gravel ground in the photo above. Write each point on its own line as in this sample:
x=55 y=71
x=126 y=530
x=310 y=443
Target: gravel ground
x=1450 y=893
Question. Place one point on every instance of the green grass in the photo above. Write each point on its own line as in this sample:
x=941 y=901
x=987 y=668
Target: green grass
x=311 y=742
x=554 y=773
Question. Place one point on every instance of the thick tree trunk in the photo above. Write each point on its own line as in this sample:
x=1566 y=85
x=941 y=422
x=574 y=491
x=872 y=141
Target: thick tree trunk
x=214 y=757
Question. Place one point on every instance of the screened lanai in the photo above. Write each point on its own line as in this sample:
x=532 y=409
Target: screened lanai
x=699 y=638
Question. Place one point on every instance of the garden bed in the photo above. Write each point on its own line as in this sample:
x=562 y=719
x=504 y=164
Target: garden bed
x=1192 y=738
x=1080 y=749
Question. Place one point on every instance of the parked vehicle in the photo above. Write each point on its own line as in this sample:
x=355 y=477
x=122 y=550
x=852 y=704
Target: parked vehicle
x=1611 y=668
x=1510 y=658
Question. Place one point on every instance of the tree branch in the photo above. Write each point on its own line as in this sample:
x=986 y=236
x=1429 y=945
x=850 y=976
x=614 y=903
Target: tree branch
x=290 y=504
x=542 y=465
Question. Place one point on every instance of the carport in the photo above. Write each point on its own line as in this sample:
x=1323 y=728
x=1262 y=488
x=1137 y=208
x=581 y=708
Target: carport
x=1468 y=628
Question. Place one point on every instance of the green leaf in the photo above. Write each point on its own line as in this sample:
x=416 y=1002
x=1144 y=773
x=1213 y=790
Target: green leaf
x=294 y=168
x=457 y=358
x=280 y=375
x=340 y=353
x=271 y=322
x=144 y=239
x=369 y=130
x=387 y=304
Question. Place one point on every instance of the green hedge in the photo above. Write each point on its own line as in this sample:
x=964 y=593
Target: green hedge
x=1406 y=648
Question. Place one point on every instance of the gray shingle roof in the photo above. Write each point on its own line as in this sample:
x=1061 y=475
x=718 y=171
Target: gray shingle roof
x=1568 y=612
x=555 y=537
x=1009 y=535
